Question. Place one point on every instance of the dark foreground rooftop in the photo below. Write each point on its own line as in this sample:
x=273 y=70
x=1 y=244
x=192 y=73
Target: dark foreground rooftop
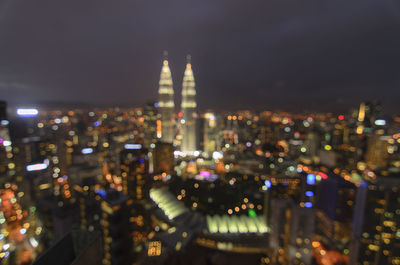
x=75 y=248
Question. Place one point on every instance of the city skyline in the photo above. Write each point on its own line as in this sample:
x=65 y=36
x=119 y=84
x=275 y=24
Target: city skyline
x=278 y=58
x=200 y=132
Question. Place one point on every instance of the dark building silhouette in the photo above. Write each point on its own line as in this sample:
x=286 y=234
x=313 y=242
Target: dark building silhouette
x=75 y=248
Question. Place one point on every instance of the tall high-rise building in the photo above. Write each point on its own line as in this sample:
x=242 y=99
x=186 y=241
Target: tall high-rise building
x=368 y=113
x=376 y=222
x=292 y=229
x=163 y=157
x=134 y=166
x=150 y=116
x=210 y=133
x=6 y=155
x=188 y=110
x=117 y=232
x=376 y=155
x=334 y=212
x=166 y=103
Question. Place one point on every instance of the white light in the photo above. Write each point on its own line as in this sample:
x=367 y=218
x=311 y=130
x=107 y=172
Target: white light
x=22 y=231
x=33 y=242
x=87 y=151
x=380 y=122
x=133 y=146
x=36 y=167
x=27 y=112
x=4 y=122
x=179 y=153
x=6 y=143
x=217 y=155
x=196 y=153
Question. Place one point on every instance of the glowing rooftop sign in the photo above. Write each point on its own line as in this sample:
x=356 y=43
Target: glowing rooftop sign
x=27 y=112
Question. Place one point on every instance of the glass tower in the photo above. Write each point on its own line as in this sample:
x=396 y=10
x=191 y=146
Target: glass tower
x=166 y=103
x=188 y=110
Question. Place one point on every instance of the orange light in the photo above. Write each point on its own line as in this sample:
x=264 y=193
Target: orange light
x=316 y=244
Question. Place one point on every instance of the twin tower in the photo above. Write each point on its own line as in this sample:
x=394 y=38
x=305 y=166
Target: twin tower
x=188 y=107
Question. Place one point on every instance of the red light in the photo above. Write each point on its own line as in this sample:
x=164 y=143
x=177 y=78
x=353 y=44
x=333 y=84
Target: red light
x=322 y=175
x=341 y=117
x=180 y=114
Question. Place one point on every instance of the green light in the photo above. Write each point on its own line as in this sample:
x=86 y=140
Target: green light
x=346 y=251
x=252 y=213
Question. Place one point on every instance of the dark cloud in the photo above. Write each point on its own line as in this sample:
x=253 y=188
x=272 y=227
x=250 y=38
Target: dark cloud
x=262 y=54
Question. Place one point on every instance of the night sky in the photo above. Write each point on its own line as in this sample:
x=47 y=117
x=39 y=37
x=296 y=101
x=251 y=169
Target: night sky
x=267 y=54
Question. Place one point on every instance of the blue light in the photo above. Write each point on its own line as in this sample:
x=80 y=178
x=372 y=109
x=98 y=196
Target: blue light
x=141 y=160
x=308 y=204
x=309 y=193
x=101 y=192
x=96 y=123
x=364 y=184
x=310 y=179
x=268 y=184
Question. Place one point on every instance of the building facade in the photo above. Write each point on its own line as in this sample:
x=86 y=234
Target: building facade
x=188 y=107
x=166 y=104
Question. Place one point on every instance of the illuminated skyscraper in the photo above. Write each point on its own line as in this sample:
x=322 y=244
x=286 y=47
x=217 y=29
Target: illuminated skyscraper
x=376 y=222
x=188 y=110
x=368 y=113
x=134 y=166
x=163 y=157
x=210 y=133
x=117 y=232
x=292 y=229
x=6 y=155
x=166 y=103
x=150 y=116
